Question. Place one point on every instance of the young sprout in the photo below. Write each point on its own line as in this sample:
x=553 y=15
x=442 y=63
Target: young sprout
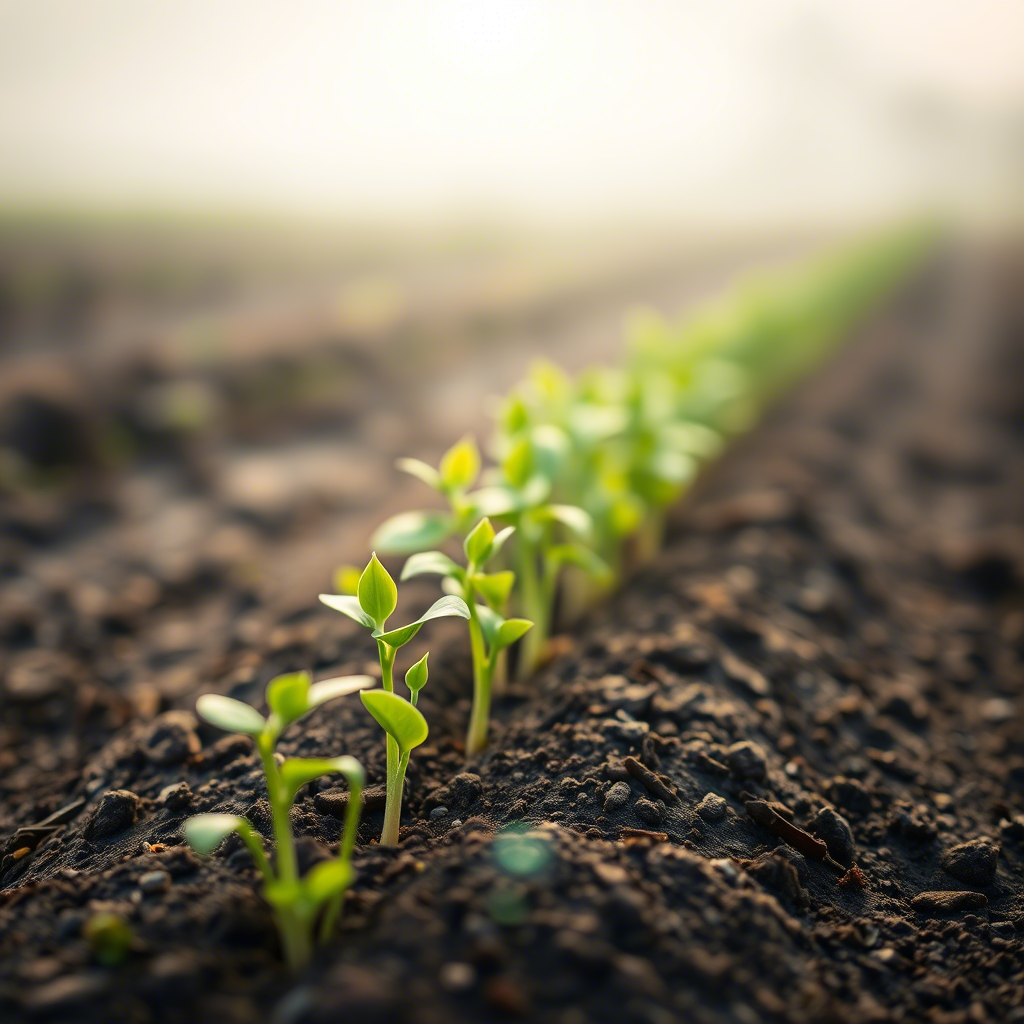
x=297 y=902
x=549 y=534
x=482 y=544
x=406 y=728
x=417 y=531
x=375 y=600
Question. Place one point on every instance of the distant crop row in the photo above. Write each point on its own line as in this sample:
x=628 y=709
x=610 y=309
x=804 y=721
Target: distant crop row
x=582 y=474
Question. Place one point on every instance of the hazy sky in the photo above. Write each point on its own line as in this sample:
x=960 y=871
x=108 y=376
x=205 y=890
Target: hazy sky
x=585 y=108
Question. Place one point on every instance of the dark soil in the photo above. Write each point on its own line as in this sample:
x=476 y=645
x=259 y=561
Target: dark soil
x=779 y=777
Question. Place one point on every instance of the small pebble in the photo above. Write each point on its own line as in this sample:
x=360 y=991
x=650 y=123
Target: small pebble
x=712 y=807
x=176 y=797
x=650 y=811
x=946 y=902
x=835 y=831
x=973 y=862
x=118 y=810
x=439 y=812
x=154 y=881
x=617 y=797
x=747 y=760
x=457 y=977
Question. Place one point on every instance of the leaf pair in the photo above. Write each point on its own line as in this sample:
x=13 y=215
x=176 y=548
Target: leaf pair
x=377 y=597
x=417 y=531
x=289 y=697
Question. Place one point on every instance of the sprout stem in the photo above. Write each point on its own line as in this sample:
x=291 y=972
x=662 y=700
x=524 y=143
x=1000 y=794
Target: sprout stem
x=479 y=721
x=393 y=808
x=393 y=804
x=345 y=848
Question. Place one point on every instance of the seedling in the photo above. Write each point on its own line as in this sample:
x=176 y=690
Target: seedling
x=549 y=534
x=489 y=633
x=375 y=600
x=418 y=531
x=296 y=902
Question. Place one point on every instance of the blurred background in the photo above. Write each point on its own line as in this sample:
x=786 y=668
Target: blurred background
x=249 y=252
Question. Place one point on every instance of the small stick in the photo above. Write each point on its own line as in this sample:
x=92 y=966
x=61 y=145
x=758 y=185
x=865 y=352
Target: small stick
x=800 y=840
x=653 y=783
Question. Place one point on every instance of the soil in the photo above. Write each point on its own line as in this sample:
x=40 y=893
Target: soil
x=778 y=777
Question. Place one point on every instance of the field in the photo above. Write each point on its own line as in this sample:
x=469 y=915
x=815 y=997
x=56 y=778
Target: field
x=775 y=775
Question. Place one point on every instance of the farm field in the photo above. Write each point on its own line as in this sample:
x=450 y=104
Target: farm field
x=777 y=774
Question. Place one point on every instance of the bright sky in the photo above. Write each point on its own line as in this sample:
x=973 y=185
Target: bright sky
x=741 y=109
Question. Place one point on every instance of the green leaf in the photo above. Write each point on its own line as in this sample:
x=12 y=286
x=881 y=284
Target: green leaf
x=348 y=605
x=378 y=595
x=573 y=517
x=340 y=686
x=416 y=677
x=510 y=631
x=420 y=470
x=427 y=562
x=460 y=465
x=550 y=449
x=444 y=606
x=288 y=696
x=205 y=832
x=478 y=543
x=397 y=717
x=230 y=715
x=327 y=879
x=490 y=622
x=297 y=771
x=412 y=531
x=518 y=465
x=494 y=587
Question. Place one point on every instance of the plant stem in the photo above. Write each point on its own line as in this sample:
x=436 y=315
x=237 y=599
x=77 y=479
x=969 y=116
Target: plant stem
x=393 y=805
x=480 y=719
x=345 y=847
x=475 y=741
x=293 y=927
x=393 y=808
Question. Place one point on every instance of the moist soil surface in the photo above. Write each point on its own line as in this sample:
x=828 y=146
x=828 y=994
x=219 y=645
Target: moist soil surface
x=778 y=777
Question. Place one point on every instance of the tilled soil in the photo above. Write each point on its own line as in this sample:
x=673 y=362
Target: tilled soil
x=779 y=776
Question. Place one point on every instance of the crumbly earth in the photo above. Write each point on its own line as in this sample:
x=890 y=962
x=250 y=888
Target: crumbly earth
x=829 y=651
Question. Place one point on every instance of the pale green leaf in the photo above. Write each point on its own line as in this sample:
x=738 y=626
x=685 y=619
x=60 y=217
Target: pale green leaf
x=494 y=587
x=230 y=714
x=347 y=605
x=420 y=470
x=478 y=542
x=510 y=631
x=460 y=465
x=416 y=677
x=378 y=595
x=412 y=531
x=444 y=606
x=327 y=879
x=205 y=832
x=288 y=696
x=397 y=717
x=340 y=686
x=429 y=562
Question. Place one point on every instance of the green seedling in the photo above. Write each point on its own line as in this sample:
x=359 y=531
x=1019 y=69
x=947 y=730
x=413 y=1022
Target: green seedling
x=297 y=902
x=420 y=530
x=371 y=606
x=487 y=640
x=549 y=534
x=471 y=583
